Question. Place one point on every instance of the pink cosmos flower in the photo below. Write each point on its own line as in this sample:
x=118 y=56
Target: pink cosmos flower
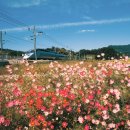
x=16 y=102
x=51 y=65
x=71 y=96
x=58 y=85
x=128 y=84
x=96 y=122
x=82 y=73
x=111 y=125
x=128 y=108
x=52 y=127
x=115 y=111
x=87 y=117
x=111 y=91
x=81 y=119
x=122 y=81
x=41 y=118
x=40 y=88
x=90 y=97
x=97 y=104
x=17 y=91
x=111 y=81
x=64 y=92
x=7 y=122
x=103 y=123
x=117 y=108
x=69 y=109
x=128 y=123
x=126 y=58
x=64 y=124
x=86 y=127
x=105 y=117
x=81 y=62
x=10 y=104
x=2 y=119
x=93 y=121
x=1 y=84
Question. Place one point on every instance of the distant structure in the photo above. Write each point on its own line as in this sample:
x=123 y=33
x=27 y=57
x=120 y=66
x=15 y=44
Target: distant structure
x=45 y=55
x=3 y=55
x=90 y=57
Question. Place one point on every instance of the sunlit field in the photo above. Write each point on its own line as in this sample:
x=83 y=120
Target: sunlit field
x=69 y=95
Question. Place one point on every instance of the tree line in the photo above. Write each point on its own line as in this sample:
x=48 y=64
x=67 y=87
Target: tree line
x=105 y=52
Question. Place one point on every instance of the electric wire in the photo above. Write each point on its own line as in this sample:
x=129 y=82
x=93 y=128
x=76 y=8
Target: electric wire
x=5 y=17
x=14 y=37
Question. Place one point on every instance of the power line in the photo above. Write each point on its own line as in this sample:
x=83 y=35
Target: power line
x=10 y=20
x=18 y=38
x=5 y=16
x=6 y=21
x=52 y=39
x=13 y=41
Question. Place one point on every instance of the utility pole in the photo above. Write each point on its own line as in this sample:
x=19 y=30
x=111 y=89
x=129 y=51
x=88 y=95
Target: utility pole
x=34 y=38
x=70 y=55
x=79 y=54
x=1 y=43
x=55 y=49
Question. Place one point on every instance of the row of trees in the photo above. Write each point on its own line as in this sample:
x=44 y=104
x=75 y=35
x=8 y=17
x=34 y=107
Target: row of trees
x=11 y=52
x=105 y=52
x=108 y=52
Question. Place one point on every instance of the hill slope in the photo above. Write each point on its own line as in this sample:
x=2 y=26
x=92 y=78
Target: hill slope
x=125 y=49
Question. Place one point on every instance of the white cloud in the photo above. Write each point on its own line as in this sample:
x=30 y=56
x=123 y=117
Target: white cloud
x=120 y=2
x=15 y=29
x=25 y=3
x=86 y=30
x=95 y=22
x=74 y=24
x=87 y=18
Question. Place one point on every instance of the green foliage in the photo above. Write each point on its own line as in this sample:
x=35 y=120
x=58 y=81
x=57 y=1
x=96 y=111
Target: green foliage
x=124 y=49
x=12 y=52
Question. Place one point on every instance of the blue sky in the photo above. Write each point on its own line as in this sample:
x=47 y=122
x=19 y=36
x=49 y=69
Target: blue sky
x=72 y=24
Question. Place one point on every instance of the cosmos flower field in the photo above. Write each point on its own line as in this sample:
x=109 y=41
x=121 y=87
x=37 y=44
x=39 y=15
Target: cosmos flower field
x=66 y=96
